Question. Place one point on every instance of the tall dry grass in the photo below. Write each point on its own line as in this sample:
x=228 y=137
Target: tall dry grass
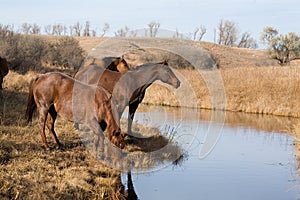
x=263 y=90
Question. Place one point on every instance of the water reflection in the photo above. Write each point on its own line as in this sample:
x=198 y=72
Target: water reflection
x=268 y=123
x=251 y=160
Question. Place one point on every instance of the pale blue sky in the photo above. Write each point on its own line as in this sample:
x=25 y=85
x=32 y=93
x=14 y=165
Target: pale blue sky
x=184 y=15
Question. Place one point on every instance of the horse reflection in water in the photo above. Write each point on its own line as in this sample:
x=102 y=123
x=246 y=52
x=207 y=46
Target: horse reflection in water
x=118 y=189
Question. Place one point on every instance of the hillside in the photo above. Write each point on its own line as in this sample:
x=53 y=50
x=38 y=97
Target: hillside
x=227 y=57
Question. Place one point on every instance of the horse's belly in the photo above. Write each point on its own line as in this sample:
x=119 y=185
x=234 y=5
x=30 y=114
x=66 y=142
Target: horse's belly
x=64 y=111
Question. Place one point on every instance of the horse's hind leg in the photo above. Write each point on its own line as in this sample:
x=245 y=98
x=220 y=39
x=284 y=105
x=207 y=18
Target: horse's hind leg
x=42 y=122
x=52 y=114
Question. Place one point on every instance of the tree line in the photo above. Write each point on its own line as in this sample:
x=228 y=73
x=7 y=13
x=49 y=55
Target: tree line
x=283 y=48
x=227 y=32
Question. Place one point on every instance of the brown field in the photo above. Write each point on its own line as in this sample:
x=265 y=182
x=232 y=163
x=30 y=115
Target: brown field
x=253 y=83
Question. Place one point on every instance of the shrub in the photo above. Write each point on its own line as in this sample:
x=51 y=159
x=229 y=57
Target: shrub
x=30 y=52
x=283 y=48
x=65 y=52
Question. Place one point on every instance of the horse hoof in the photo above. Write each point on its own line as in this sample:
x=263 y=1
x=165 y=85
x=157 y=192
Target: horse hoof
x=61 y=147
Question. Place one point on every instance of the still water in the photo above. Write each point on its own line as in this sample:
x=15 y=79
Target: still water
x=247 y=157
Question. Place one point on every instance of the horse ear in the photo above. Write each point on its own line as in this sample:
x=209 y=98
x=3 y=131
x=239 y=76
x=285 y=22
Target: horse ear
x=165 y=62
x=122 y=58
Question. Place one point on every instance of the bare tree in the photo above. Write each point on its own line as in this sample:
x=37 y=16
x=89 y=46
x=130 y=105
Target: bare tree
x=57 y=29
x=177 y=34
x=105 y=29
x=153 y=28
x=247 y=41
x=94 y=33
x=133 y=33
x=76 y=29
x=199 y=33
x=6 y=30
x=25 y=28
x=47 y=29
x=35 y=29
x=202 y=32
x=65 y=30
x=86 y=30
x=227 y=33
x=122 y=32
x=195 y=33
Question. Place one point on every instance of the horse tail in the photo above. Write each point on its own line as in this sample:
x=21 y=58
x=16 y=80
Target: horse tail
x=31 y=105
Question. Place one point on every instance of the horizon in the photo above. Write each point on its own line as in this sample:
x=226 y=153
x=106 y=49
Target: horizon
x=182 y=16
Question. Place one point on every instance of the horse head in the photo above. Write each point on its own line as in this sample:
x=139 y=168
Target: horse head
x=117 y=138
x=119 y=64
x=166 y=75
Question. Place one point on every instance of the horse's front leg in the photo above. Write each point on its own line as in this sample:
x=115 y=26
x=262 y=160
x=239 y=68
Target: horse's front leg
x=132 y=109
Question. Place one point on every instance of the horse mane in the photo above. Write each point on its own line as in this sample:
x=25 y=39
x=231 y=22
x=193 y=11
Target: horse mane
x=165 y=62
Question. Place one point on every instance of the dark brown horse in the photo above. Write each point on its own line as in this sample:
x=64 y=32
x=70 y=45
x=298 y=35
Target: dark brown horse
x=56 y=93
x=128 y=88
x=3 y=70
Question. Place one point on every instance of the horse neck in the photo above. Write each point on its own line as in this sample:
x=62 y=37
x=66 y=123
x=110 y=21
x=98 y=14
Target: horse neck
x=145 y=76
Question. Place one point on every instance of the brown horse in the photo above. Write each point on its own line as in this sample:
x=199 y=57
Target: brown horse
x=55 y=93
x=3 y=70
x=128 y=88
x=117 y=64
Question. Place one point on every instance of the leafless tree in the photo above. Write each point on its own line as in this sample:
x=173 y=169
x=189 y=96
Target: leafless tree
x=65 y=30
x=153 y=28
x=195 y=33
x=199 y=33
x=57 y=29
x=35 y=29
x=25 y=28
x=133 y=33
x=86 y=30
x=202 y=32
x=122 y=32
x=6 y=30
x=76 y=29
x=247 y=41
x=94 y=33
x=47 y=29
x=105 y=29
x=227 y=33
x=177 y=34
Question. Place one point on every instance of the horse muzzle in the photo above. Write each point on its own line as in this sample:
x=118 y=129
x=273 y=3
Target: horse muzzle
x=176 y=84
